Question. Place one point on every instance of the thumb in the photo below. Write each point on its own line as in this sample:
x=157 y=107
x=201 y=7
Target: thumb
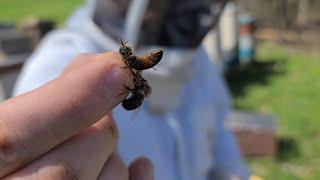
x=35 y=122
x=141 y=169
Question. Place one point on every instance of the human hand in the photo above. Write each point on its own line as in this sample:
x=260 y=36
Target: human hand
x=64 y=129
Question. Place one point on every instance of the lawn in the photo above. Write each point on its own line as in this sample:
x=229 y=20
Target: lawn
x=19 y=10
x=285 y=82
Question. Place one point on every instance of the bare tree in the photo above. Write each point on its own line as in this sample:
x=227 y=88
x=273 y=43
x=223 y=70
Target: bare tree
x=303 y=12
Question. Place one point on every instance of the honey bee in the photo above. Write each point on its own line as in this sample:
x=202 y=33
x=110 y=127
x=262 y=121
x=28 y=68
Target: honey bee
x=138 y=93
x=140 y=63
x=137 y=64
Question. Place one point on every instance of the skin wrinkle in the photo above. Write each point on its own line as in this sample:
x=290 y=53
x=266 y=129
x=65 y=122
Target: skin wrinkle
x=48 y=130
x=25 y=147
x=44 y=130
x=59 y=170
x=8 y=153
x=108 y=127
x=72 y=111
x=76 y=109
x=65 y=171
x=31 y=132
x=4 y=146
x=50 y=134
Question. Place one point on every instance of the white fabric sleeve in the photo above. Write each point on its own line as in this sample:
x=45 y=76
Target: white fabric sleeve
x=228 y=160
x=49 y=59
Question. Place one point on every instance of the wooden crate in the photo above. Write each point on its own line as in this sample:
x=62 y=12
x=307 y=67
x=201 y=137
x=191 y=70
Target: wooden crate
x=255 y=133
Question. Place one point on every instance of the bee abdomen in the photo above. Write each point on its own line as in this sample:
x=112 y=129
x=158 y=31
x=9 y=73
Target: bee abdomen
x=148 y=61
x=133 y=102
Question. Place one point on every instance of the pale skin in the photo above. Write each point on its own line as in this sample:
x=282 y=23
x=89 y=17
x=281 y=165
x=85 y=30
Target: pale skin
x=64 y=129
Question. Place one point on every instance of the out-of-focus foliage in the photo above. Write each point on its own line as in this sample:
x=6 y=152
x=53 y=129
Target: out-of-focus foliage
x=19 y=10
x=286 y=83
x=284 y=13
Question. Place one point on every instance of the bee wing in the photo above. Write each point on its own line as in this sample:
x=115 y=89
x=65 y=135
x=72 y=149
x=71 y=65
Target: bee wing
x=135 y=113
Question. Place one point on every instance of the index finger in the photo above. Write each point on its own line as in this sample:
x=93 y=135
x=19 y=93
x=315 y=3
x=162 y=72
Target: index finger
x=34 y=123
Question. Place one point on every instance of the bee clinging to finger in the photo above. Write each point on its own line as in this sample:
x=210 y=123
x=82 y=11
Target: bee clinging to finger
x=140 y=62
x=138 y=93
x=137 y=64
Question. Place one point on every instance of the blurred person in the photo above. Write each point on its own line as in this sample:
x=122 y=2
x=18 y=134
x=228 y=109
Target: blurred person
x=44 y=134
x=180 y=126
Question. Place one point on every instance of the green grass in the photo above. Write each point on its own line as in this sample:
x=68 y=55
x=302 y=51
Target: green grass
x=284 y=82
x=288 y=86
x=19 y=10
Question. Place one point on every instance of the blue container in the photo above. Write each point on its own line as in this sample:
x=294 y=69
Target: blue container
x=247 y=40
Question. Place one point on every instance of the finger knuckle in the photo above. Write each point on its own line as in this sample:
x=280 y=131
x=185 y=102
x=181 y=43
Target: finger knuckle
x=108 y=127
x=62 y=170
x=12 y=152
x=8 y=154
x=76 y=110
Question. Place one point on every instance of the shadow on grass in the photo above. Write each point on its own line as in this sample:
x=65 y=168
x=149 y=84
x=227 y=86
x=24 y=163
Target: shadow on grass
x=287 y=149
x=257 y=72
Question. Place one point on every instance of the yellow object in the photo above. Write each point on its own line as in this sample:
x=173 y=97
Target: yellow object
x=254 y=177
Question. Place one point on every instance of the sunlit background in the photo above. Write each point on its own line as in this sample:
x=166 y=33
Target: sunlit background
x=282 y=81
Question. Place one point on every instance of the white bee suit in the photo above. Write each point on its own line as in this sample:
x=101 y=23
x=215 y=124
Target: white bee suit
x=186 y=140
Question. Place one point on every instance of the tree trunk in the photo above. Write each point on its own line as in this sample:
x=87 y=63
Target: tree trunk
x=303 y=12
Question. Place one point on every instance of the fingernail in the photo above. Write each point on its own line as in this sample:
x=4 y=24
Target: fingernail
x=116 y=79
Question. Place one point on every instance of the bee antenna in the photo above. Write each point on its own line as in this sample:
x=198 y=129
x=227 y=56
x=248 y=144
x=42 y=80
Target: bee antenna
x=121 y=42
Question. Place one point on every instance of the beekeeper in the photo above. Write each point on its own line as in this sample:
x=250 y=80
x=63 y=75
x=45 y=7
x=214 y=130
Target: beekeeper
x=180 y=126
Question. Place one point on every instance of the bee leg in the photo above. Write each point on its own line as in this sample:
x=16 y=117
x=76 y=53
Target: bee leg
x=140 y=76
x=133 y=62
x=125 y=67
x=127 y=89
x=121 y=42
x=127 y=62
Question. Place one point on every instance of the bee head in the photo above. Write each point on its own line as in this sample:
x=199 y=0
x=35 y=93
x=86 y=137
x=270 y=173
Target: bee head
x=125 y=50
